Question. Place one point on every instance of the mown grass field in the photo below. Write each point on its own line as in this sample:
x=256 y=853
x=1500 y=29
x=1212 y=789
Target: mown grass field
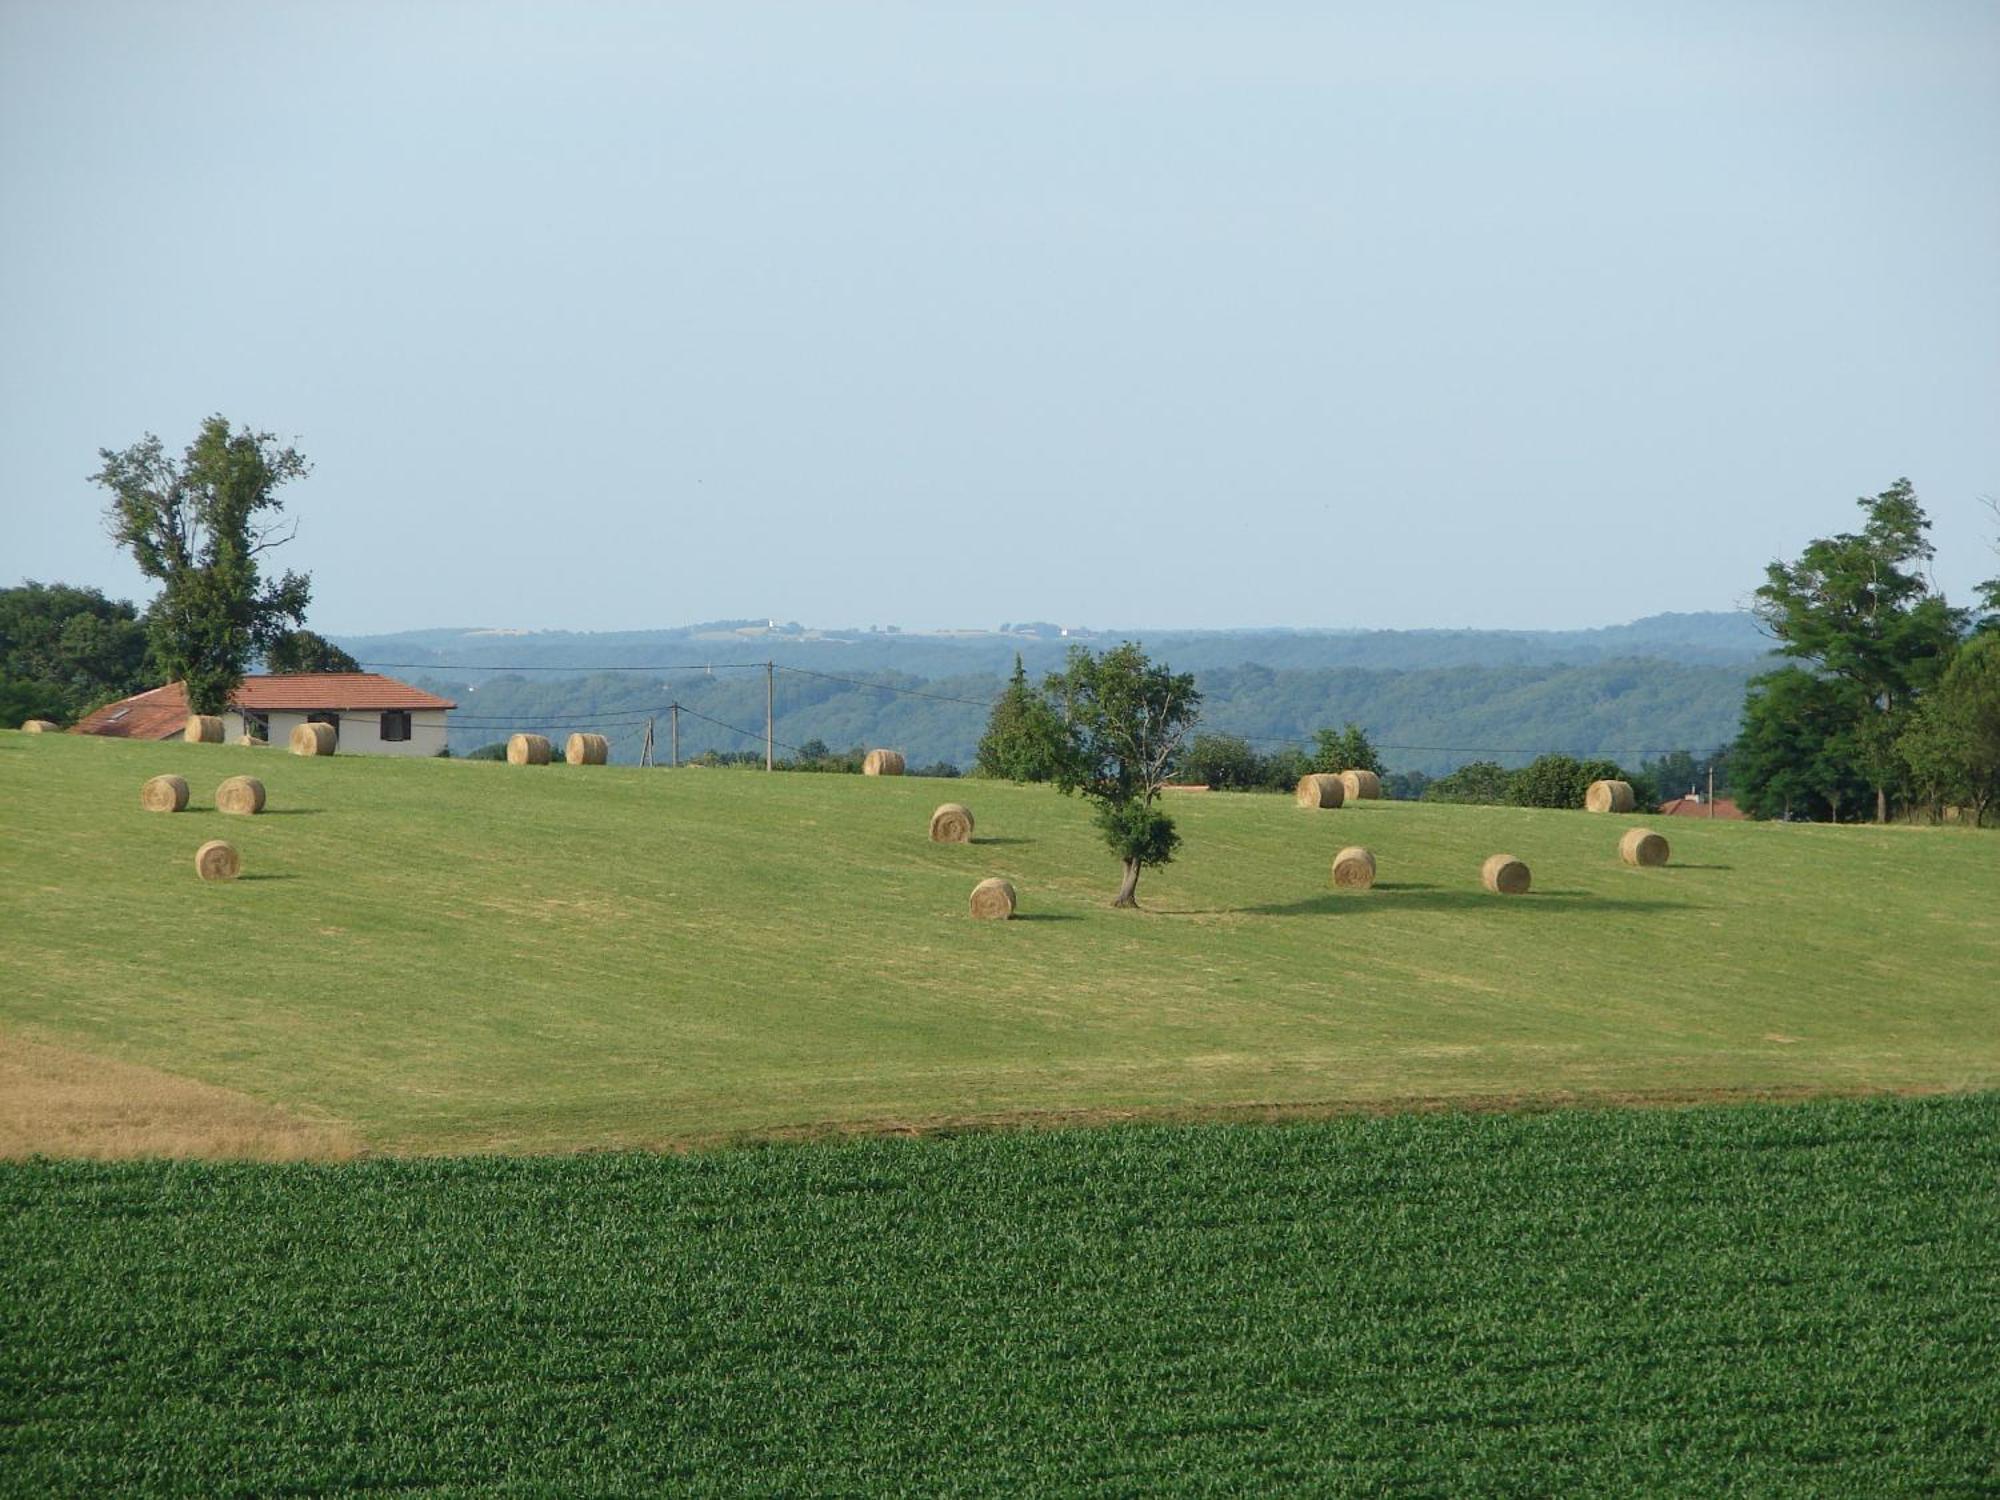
x=442 y=956
x=1752 y=1300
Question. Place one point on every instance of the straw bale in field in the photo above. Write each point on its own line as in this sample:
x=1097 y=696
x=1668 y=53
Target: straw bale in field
x=1505 y=874
x=528 y=750
x=1317 y=789
x=883 y=763
x=952 y=824
x=251 y=739
x=240 y=794
x=587 y=750
x=1354 y=868
x=314 y=739
x=218 y=860
x=41 y=726
x=203 y=729
x=1641 y=846
x=993 y=900
x=1610 y=797
x=164 y=794
x=1361 y=784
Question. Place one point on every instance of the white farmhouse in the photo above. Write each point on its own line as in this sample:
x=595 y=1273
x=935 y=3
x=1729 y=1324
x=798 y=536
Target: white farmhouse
x=374 y=715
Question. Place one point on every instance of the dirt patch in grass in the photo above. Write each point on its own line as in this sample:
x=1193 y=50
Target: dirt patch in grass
x=55 y=1101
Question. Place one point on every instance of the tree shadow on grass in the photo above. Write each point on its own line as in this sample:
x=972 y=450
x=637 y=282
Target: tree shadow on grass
x=1431 y=898
x=1002 y=841
x=1676 y=864
x=267 y=877
x=1045 y=916
x=290 y=812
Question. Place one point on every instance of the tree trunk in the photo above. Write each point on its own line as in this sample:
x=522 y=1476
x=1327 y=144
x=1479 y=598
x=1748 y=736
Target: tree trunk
x=1128 y=893
x=1881 y=805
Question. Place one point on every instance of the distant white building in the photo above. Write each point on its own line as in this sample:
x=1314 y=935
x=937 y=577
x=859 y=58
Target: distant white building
x=373 y=714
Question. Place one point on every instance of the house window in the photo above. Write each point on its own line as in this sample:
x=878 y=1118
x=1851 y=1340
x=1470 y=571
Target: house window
x=331 y=719
x=258 y=726
x=396 y=724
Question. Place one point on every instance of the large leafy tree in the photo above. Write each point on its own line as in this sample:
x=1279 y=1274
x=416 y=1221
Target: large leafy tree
x=1122 y=719
x=1953 y=743
x=1860 y=608
x=306 y=651
x=65 y=650
x=200 y=526
x=1796 y=756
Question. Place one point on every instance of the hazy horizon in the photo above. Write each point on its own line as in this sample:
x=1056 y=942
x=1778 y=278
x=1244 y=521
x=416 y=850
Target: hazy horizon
x=589 y=317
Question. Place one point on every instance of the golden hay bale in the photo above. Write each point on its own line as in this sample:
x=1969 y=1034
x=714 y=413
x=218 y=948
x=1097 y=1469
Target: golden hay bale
x=240 y=794
x=993 y=900
x=1317 y=789
x=218 y=860
x=203 y=729
x=952 y=824
x=527 y=750
x=1641 y=846
x=314 y=739
x=883 y=763
x=1354 y=868
x=1610 y=796
x=1361 y=784
x=41 y=726
x=1505 y=874
x=587 y=750
x=164 y=794
x=252 y=739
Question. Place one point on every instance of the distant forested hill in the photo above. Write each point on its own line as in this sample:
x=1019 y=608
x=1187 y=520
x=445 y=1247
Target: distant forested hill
x=1430 y=718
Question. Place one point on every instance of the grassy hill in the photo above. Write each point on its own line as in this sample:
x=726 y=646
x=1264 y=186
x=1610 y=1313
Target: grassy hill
x=446 y=957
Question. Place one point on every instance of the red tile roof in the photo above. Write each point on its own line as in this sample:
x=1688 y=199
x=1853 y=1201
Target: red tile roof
x=1689 y=807
x=162 y=713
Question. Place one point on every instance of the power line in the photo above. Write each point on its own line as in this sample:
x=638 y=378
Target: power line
x=887 y=687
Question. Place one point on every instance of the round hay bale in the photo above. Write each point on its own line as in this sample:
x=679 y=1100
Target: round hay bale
x=993 y=900
x=218 y=860
x=240 y=794
x=1610 y=797
x=587 y=750
x=1317 y=789
x=883 y=763
x=314 y=739
x=1641 y=846
x=1361 y=784
x=41 y=726
x=1505 y=874
x=203 y=729
x=952 y=824
x=1354 y=869
x=164 y=794
x=527 y=750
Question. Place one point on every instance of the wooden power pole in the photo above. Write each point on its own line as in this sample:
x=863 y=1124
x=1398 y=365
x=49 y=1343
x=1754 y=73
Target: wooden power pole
x=674 y=734
x=769 y=699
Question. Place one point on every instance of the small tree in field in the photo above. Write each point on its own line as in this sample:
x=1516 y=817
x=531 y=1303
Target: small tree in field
x=1022 y=739
x=1122 y=720
x=1347 y=748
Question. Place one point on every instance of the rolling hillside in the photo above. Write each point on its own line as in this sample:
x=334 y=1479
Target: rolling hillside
x=440 y=956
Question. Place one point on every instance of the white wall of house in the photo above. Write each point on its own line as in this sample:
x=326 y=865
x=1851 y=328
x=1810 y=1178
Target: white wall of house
x=360 y=730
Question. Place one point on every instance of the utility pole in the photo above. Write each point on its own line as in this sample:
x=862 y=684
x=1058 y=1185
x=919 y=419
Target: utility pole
x=674 y=729
x=646 y=749
x=769 y=699
x=1711 y=789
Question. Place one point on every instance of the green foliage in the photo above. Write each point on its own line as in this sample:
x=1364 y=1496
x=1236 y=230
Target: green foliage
x=200 y=527
x=1675 y=775
x=1023 y=740
x=1123 y=720
x=1762 y=1300
x=1860 y=608
x=1281 y=769
x=1221 y=762
x=1559 y=781
x=497 y=750
x=1796 y=756
x=1952 y=745
x=1481 y=781
x=64 y=650
x=1345 y=749
x=306 y=651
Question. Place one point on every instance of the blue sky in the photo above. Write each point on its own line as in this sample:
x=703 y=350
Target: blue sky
x=605 y=316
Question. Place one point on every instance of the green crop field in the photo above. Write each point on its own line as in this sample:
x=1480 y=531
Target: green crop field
x=1751 y=1300
x=435 y=956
